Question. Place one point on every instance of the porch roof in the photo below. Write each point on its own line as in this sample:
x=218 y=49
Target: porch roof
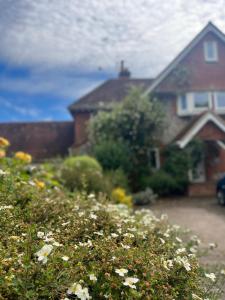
x=194 y=127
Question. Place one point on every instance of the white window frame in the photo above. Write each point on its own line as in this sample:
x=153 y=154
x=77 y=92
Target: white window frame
x=215 y=50
x=200 y=109
x=191 y=109
x=157 y=158
x=218 y=109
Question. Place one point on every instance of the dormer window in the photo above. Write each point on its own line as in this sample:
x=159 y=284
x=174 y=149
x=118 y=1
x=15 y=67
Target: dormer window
x=210 y=51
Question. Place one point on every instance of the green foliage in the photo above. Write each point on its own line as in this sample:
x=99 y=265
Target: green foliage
x=112 y=155
x=62 y=245
x=162 y=183
x=114 y=179
x=82 y=172
x=135 y=123
x=144 y=198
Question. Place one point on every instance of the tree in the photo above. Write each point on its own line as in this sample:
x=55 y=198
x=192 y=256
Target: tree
x=136 y=123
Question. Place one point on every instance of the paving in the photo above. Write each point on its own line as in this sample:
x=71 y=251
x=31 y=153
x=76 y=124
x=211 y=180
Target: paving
x=203 y=216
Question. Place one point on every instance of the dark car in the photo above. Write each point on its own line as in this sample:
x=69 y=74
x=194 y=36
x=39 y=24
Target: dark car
x=220 y=191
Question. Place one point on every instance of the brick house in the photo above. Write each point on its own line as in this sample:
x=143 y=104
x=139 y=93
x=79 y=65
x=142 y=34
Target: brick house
x=192 y=92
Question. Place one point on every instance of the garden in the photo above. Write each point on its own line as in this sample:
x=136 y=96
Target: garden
x=68 y=228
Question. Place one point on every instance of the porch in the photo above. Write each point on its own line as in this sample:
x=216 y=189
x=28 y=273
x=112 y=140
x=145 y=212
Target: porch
x=210 y=129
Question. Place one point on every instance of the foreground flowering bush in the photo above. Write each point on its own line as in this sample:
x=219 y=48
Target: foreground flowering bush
x=55 y=245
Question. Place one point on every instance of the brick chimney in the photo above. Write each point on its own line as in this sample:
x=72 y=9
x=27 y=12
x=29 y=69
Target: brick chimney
x=124 y=72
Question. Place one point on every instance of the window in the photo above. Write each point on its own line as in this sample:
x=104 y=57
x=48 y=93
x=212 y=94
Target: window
x=183 y=102
x=220 y=100
x=154 y=158
x=210 y=51
x=201 y=100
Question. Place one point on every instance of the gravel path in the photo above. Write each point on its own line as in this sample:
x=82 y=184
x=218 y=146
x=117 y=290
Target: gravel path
x=204 y=217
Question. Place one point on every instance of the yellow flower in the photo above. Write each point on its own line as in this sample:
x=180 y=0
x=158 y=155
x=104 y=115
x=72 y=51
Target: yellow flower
x=40 y=184
x=2 y=153
x=23 y=156
x=4 y=142
x=119 y=196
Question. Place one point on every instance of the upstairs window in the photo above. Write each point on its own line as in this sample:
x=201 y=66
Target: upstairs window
x=210 y=51
x=182 y=104
x=220 y=100
x=201 y=100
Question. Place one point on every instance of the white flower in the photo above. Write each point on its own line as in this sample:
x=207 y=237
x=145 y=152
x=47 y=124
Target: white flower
x=211 y=276
x=121 y=272
x=40 y=234
x=212 y=246
x=179 y=240
x=3 y=172
x=65 y=258
x=92 y=277
x=81 y=293
x=196 y=297
x=114 y=235
x=6 y=207
x=181 y=250
x=194 y=249
x=100 y=233
x=91 y=196
x=130 y=281
x=56 y=244
x=93 y=216
x=130 y=235
x=43 y=253
x=183 y=261
x=125 y=246
x=222 y=272
x=162 y=241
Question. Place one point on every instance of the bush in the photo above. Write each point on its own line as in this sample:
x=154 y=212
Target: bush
x=136 y=123
x=144 y=197
x=119 y=196
x=112 y=155
x=82 y=173
x=114 y=179
x=78 y=246
x=162 y=183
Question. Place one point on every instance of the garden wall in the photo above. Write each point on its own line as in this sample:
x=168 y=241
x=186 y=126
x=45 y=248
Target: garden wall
x=40 y=139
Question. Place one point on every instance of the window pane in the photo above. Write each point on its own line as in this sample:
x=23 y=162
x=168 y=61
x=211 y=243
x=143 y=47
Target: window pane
x=201 y=100
x=220 y=99
x=210 y=49
x=183 y=102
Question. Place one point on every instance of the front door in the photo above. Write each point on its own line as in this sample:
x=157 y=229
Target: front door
x=198 y=173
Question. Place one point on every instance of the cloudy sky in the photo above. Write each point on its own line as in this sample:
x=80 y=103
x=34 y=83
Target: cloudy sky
x=54 y=51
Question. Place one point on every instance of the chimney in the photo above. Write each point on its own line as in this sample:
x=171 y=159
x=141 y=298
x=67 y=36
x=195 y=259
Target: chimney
x=124 y=72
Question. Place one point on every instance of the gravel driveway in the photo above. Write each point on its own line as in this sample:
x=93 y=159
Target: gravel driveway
x=204 y=217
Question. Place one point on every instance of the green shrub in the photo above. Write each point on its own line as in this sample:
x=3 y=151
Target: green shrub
x=78 y=246
x=82 y=173
x=112 y=155
x=162 y=183
x=145 y=197
x=114 y=179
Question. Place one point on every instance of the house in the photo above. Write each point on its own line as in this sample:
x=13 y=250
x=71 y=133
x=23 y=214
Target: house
x=192 y=92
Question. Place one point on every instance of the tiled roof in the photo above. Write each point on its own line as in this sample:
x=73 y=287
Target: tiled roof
x=113 y=90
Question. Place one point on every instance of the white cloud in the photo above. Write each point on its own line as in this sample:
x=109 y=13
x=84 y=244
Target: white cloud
x=24 y=111
x=91 y=33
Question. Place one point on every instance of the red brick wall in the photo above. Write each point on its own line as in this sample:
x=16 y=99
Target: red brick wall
x=211 y=132
x=81 y=134
x=202 y=75
x=40 y=139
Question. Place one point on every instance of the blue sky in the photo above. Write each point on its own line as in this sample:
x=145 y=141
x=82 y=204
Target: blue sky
x=53 y=52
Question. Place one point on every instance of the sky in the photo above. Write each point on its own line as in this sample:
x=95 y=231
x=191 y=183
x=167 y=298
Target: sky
x=54 y=51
